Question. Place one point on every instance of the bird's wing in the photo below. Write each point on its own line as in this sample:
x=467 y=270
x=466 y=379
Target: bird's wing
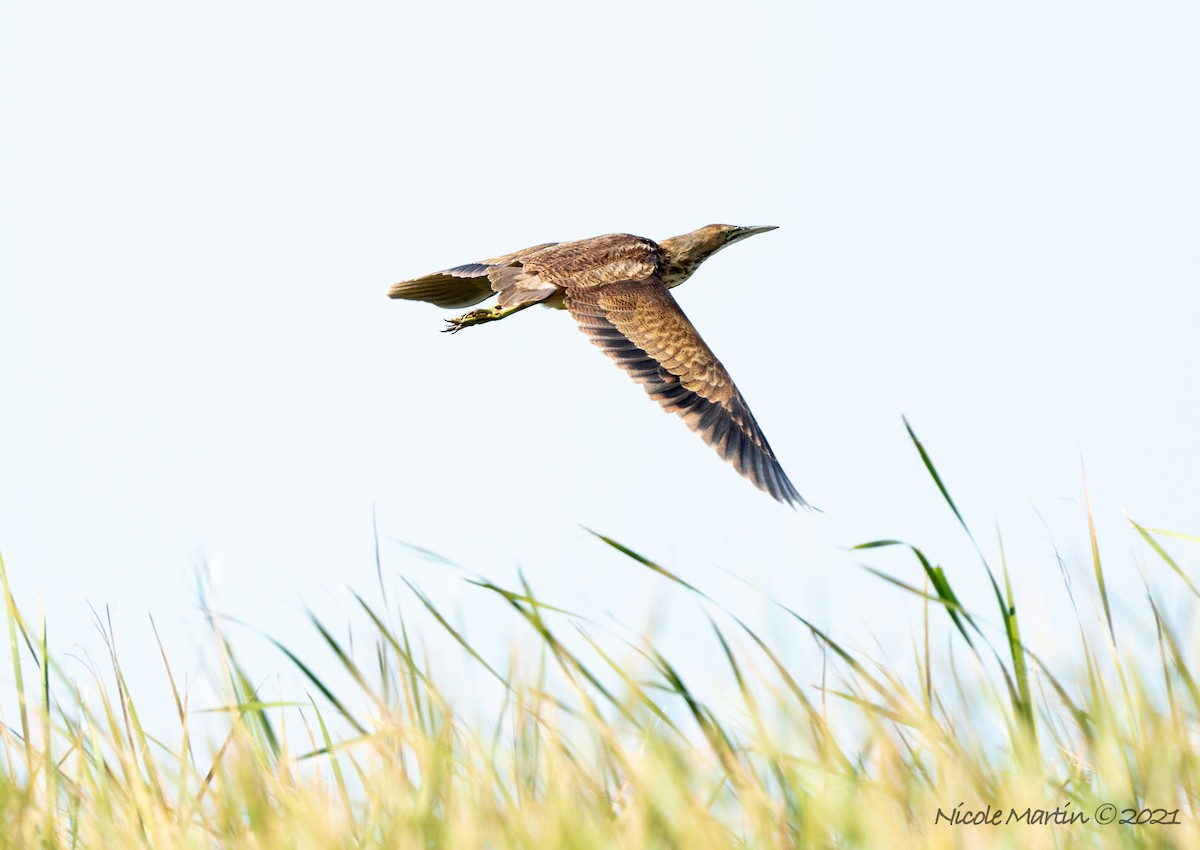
x=639 y=325
x=461 y=286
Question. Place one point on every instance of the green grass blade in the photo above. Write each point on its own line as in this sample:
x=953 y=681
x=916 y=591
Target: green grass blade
x=646 y=562
x=13 y=618
x=1096 y=565
x=1162 y=553
x=320 y=686
x=453 y=632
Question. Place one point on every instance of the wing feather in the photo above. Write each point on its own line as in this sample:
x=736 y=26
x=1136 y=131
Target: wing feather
x=640 y=326
x=463 y=285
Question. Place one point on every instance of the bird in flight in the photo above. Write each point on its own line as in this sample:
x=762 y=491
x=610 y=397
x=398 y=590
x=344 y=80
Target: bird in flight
x=617 y=287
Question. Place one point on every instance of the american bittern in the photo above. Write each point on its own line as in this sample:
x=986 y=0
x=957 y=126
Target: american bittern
x=616 y=287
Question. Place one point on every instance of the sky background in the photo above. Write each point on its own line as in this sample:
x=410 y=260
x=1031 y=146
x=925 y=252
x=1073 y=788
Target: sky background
x=988 y=218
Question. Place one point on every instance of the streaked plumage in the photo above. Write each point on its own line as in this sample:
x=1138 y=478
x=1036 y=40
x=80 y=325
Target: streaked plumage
x=616 y=287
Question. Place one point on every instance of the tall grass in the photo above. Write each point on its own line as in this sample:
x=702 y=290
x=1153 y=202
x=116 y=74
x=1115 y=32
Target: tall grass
x=592 y=746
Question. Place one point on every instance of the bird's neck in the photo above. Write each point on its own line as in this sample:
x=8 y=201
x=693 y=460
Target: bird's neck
x=673 y=274
x=679 y=260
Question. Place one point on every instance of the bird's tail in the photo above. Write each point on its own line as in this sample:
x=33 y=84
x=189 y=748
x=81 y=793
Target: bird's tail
x=458 y=287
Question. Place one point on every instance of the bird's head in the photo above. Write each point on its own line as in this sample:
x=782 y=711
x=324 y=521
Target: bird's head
x=696 y=247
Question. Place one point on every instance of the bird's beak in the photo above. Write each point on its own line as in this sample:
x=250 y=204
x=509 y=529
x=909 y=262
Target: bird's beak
x=744 y=232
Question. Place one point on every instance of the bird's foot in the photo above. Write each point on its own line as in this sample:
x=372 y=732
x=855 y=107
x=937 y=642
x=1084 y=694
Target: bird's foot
x=478 y=317
x=475 y=317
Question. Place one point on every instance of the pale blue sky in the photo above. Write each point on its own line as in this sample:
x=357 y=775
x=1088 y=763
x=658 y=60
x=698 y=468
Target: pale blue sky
x=988 y=221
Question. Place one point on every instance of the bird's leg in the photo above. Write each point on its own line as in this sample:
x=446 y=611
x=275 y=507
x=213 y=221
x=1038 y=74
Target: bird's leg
x=478 y=317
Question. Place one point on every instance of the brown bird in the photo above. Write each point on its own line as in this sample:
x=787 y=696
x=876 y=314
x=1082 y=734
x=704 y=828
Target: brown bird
x=616 y=287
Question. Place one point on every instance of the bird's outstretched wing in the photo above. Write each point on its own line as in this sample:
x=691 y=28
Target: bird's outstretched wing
x=639 y=325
